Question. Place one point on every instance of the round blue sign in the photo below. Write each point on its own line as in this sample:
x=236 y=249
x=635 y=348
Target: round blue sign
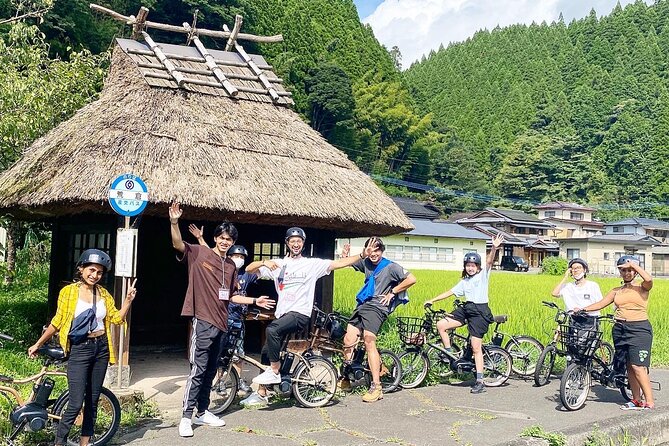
x=128 y=195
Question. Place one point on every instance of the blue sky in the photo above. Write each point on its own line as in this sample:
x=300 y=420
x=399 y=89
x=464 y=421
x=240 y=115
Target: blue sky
x=366 y=7
x=418 y=26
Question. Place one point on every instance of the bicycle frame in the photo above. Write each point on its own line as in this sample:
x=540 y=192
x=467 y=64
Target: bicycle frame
x=37 y=379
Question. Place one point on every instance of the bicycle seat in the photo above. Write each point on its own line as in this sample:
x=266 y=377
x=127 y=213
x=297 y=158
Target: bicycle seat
x=52 y=352
x=501 y=318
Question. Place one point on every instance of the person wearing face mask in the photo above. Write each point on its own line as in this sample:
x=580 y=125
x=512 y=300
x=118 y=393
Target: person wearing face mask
x=578 y=294
x=295 y=279
x=385 y=288
x=632 y=332
x=212 y=284
x=476 y=312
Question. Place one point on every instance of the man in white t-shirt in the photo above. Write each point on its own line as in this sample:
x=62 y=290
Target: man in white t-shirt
x=295 y=279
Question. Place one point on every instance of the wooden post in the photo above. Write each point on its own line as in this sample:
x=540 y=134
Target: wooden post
x=169 y=66
x=138 y=26
x=209 y=59
x=120 y=357
x=233 y=35
x=254 y=68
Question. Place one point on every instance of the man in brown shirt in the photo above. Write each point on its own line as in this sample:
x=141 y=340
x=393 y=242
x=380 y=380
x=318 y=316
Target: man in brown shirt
x=212 y=282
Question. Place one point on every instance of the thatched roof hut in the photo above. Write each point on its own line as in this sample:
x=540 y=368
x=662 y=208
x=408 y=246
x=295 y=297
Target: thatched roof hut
x=247 y=160
x=244 y=157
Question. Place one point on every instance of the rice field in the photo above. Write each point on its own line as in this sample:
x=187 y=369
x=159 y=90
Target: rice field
x=518 y=295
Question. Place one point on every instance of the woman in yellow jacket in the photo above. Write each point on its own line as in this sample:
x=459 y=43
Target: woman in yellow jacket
x=89 y=358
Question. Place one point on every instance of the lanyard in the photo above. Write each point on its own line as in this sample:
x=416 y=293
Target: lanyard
x=223 y=268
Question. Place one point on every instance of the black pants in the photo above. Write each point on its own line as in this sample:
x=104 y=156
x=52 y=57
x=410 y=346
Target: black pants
x=205 y=348
x=277 y=331
x=86 y=371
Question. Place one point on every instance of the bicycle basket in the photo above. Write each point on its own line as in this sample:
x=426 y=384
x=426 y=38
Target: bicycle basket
x=579 y=342
x=413 y=330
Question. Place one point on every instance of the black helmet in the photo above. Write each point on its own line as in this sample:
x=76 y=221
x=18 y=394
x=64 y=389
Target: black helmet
x=237 y=249
x=472 y=257
x=336 y=329
x=626 y=258
x=581 y=261
x=95 y=256
x=296 y=232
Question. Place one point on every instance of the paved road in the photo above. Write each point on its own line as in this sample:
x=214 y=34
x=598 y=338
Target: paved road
x=440 y=415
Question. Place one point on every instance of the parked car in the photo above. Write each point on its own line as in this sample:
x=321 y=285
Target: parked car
x=514 y=263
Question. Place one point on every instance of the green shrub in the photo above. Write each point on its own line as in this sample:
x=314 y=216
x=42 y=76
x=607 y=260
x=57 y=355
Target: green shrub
x=554 y=266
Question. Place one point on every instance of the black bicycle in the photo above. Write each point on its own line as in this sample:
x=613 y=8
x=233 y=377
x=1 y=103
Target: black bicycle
x=425 y=350
x=559 y=347
x=585 y=366
x=326 y=337
x=524 y=349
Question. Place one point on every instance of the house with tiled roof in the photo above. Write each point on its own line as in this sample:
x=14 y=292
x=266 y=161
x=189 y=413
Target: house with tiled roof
x=570 y=219
x=525 y=235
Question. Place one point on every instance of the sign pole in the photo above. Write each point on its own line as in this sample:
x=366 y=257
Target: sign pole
x=124 y=291
x=128 y=196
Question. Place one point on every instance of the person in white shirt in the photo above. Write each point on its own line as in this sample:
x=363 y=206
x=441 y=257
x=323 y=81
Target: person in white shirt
x=581 y=292
x=295 y=279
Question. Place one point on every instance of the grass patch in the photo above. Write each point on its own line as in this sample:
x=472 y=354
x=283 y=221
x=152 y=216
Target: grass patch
x=553 y=438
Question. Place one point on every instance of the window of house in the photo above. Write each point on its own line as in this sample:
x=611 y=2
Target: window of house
x=445 y=255
x=570 y=232
x=267 y=251
x=394 y=252
x=617 y=229
x=428 y=254
x=519 y=230
x=80 y=242
x=412 y=252
x=607 y=256
x=573 y=253
x=576 y=215
x=549 y=214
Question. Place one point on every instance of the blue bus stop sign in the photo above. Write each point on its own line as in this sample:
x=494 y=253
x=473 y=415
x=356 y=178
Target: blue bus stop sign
x=128 y=195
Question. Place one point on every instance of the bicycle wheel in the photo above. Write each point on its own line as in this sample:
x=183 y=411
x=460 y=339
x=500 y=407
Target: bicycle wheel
x=438 y=368
x=524 y=351
x=625 y=390
x=544 y=367
x=314 y=381
x=391 y=371
x=106 y=423
x=575 y=386
x=223 y=390
x=415 y=367
x=496 y=365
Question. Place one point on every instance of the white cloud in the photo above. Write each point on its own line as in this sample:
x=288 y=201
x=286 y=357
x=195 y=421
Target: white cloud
x=418 y=26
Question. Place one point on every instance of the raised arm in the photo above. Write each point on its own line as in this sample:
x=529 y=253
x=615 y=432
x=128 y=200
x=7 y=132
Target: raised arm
x=175 y=213
x=253 y=267
x=442 y=296
x=348 y=261
x=497 y=241
x=558 y=287
x=198 y=234
x=647 y=283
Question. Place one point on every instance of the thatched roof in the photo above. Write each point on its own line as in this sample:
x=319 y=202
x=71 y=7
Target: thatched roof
x=222 y=158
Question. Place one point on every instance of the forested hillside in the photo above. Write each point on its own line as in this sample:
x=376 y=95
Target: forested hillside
x=576 y=111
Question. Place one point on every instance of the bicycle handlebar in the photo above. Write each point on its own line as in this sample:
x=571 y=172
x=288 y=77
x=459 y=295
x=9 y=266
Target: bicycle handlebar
x=6 y=337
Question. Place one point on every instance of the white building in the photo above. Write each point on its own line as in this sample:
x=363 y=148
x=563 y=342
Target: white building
x=571 y=220
x=433 y=244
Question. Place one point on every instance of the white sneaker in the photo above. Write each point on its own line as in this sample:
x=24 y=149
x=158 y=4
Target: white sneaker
x=209 y=419
x=185 y=428
x=255 y=399
x=267 y=378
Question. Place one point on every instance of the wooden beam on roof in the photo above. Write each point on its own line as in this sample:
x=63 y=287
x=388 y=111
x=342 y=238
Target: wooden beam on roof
x=211 y=63
x=212 y=84
x=244 y=77
x=169 y=66
x=130 y=20
x=233 y=35
x=198 y=59
x=254 y=68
